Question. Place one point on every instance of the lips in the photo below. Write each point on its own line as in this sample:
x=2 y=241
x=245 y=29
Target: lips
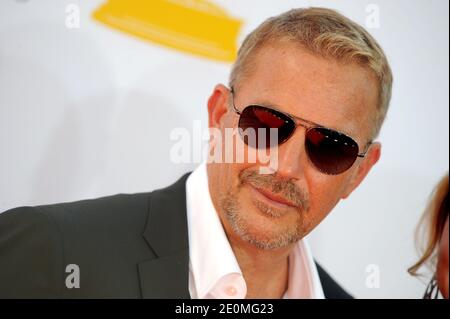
x=274 y=197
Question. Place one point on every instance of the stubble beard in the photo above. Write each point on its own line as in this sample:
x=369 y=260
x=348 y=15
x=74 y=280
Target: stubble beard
x=278 y=237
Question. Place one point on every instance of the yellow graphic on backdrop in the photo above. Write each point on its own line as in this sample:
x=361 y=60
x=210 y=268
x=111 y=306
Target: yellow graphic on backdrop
x=194 y=26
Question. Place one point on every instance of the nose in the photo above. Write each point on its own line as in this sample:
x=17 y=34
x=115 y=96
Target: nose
x=292 y=158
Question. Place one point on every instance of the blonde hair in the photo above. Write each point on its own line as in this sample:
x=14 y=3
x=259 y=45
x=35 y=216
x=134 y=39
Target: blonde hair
x=431 y=225
x=327 y=33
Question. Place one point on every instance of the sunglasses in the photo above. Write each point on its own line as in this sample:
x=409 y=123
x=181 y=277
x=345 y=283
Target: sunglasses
x=330 y=151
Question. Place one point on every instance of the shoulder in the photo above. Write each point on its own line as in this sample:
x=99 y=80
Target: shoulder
x=30 y=254
x=105 y=220
x=331 y=288
x=109 y=213
x=37 y=243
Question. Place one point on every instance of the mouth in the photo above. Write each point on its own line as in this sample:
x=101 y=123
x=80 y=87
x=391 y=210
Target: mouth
x=273 y=199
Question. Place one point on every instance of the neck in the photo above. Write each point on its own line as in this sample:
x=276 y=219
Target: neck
x=266 y=272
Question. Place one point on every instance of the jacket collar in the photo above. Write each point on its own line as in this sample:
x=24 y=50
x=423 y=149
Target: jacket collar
x=166 y=232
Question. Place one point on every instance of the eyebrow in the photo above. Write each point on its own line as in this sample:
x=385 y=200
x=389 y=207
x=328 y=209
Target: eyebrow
x=311 y=123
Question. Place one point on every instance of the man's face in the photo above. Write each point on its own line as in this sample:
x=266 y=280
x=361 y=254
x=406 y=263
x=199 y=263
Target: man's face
x=275 y=210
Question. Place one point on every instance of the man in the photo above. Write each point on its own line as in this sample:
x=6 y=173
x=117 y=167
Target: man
x=227 y=230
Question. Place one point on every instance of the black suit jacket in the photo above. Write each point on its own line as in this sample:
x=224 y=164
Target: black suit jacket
x=126 y=246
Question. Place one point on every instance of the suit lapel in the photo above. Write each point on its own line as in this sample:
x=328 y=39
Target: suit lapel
x=166 y=232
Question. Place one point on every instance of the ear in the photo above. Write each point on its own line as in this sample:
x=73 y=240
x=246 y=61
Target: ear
x=371 y=158
x=217 y=105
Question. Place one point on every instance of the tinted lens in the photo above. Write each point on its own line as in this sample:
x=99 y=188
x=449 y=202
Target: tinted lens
x=331 y=152
x=256 y=122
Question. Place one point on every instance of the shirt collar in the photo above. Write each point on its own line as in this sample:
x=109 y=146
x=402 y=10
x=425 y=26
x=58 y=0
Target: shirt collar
x=210 y=255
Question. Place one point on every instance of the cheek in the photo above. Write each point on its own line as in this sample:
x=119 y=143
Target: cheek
x=325 y=192
x=231 y=172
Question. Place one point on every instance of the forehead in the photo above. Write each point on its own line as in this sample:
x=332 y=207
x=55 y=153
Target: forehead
x=333 y=94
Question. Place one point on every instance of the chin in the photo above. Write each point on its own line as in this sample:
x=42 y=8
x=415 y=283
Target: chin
x=263 y=230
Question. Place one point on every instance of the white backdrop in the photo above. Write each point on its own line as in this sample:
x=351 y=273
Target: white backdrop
x=87 y=112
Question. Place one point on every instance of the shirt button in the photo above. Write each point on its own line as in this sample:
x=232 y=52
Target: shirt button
x=231 y=291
